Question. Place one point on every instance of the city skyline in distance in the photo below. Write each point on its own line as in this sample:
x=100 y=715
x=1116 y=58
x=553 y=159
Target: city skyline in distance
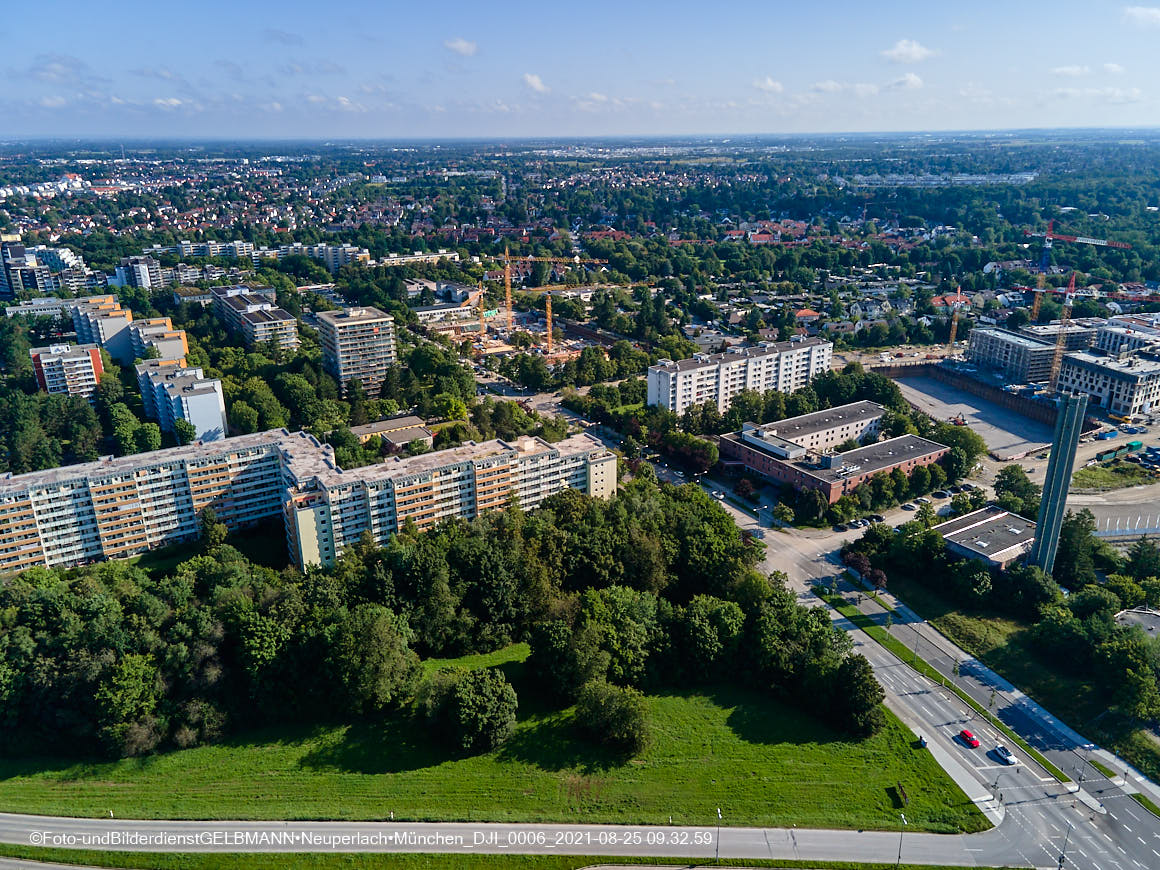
x=278 y=71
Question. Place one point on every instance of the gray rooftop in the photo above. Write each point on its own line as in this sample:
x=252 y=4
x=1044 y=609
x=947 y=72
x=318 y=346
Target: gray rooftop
x=990 y=532
x=393 y=424
x=361 y=314
x=1013 y=337
x=875 y=457
x=797 y=428
x=1136 y=367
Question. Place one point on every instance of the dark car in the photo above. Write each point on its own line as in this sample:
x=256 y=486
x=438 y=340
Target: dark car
x=956 y=489
x=941 y=493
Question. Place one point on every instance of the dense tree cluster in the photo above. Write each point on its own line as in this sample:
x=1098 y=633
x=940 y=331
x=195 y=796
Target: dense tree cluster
x=655 y=587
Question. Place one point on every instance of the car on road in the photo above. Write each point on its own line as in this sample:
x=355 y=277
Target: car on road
x=1005 y=755
x=939 y=493
x=909 y=507
x=968 y=738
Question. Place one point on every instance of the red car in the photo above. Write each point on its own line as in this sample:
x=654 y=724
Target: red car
x=968 y=738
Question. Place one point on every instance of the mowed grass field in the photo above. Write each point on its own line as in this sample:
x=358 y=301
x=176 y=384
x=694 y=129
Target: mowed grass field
x=763 y=762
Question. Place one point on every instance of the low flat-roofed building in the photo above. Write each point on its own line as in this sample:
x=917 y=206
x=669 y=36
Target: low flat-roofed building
x=833 y=475
x=822 y=430
x=990 y=535
x=398 y=432
x=193 y=295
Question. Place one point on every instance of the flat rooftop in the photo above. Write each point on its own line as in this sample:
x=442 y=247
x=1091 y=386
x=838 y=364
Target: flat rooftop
x=988 y=532
x=1013 y=337
x=393 y=424
x=875 y=457
x=362 y=314
x=766 y=348
x=1149 y=620
x=797 y=428
x=1132 y=367
x=79 y=351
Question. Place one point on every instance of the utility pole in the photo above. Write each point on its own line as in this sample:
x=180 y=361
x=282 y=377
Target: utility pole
x=901 y=831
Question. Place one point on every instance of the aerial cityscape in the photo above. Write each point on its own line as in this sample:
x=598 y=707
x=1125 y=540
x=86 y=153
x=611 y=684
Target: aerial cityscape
x=423 y=445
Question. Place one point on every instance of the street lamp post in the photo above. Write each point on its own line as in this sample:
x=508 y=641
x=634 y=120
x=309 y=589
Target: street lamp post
x=901 y=831
x=1063 y=851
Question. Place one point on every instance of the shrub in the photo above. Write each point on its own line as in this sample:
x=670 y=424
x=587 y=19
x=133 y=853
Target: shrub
x=475 y=710
x=614 y=716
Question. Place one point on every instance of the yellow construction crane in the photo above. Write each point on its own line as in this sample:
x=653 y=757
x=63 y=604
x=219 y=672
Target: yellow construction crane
x=1042 y=285
x=507 y=284
x=1061 y=336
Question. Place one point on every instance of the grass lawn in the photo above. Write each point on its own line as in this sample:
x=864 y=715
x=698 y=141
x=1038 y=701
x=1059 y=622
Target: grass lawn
x=509 y=655
x=769 y=763
x=154 y=861
x=1114 y=475
x=1005 y=646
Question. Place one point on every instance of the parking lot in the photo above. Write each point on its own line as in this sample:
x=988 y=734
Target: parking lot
x=1008 y=435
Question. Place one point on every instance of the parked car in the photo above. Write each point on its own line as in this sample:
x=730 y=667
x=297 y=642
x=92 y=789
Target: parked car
x=968 y=487
x=1005 y=755
x=922 y=500
x=968 y=738
x=878 y=518
x=956 y=489
x=940 y=493
x=909 y=507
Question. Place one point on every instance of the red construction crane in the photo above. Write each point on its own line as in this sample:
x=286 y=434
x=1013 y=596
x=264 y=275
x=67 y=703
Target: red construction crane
x=1052 y=236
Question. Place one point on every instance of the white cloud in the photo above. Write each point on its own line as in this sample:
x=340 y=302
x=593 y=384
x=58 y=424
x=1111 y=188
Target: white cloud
x=908 y=82
x=461 y=46
x=907 y=51
x=865 y=89
x=1149 y=16
x=1102 y=95
x=54 y=102
x=534 y=82
x=769 y=85
x=829 y=86
x=1073 y=70
x=167 y=102
x=598 y=97
x=1114 y=68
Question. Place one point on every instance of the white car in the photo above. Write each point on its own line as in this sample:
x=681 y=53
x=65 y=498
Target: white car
x=1005 y=755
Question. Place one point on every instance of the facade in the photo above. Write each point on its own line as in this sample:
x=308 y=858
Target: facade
x=1127 y=333
x=989 y=535
x=357 y=343
x=255 y=316
x=1053 y=502
x=784 y=366
x=67 y=368
x=100 y=320
x=783 y=461
x=1021 y=358
x=172 y=392
x=1126 y=385
x=116 y=508
x=45 y=306
x=139 y=272
x=328 y=510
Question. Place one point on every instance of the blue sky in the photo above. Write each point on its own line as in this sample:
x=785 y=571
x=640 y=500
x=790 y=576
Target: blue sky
x=255 y=69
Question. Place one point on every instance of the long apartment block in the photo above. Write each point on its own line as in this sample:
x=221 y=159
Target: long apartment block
x=783 y=365
x=116 y=508
x=357 y=344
